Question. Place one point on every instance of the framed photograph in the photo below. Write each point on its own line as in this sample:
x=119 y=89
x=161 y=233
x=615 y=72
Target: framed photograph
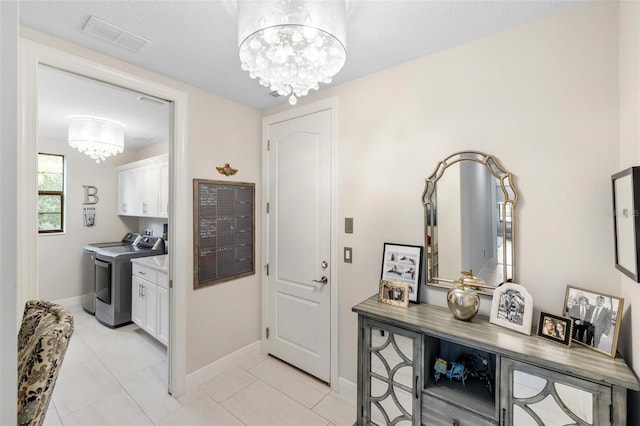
x=403 y=263
x=556 y=329
x=512 y=307
x=626 y=221
x=596 y=318
x=393 y=293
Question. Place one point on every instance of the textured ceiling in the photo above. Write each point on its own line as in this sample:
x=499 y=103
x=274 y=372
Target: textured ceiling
x=196 y=41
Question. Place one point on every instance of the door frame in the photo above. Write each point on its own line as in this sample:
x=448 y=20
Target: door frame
x=330 y=104
x=33 y=54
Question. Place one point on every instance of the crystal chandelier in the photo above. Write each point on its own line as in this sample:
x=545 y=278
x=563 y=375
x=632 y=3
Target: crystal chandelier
x=96 y=137
x=292 y=45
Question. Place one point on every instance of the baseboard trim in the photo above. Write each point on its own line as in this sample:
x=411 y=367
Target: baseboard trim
x=347 y=388
x=210 y=371
x=70 y=301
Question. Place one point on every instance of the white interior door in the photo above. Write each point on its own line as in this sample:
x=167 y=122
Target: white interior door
x=299 y=296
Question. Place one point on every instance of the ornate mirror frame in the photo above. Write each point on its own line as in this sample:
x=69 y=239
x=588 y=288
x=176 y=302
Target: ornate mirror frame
x=431 y=239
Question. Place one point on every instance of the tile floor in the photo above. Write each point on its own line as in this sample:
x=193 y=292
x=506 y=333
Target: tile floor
x=118 y=377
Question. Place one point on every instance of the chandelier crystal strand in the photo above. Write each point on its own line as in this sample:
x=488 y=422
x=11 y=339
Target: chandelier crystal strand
x=96 y=137
x=291 y=46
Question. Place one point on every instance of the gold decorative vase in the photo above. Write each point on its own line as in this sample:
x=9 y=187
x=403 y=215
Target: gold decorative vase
x=463 y=300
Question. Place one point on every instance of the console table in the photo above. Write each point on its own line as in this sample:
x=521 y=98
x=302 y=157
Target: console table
x=522 y=380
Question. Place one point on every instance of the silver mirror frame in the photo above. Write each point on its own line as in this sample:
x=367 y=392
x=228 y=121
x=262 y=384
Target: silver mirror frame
x=510 y=197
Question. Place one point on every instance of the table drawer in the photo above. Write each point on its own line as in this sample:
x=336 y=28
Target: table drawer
x=436 y=412
x=145 y=273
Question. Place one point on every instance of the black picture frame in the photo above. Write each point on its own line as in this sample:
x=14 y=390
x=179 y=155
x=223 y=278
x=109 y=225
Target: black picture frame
x=403 y=263
x=625 y=186
x=555 y=328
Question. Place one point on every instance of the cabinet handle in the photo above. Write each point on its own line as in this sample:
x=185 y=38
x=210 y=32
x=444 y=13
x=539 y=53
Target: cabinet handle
x=142 y=273
x=139 y=290
x=142 y=291
x=416 y=387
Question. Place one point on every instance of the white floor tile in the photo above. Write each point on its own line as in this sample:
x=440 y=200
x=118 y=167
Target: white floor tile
x=260 y=404
x=299 y=386
x=226 y=384
x=148 y=388
x=119 y=358
x=338 y=409
x=83 y=384
x=117 y=410
x=78 y=352
x=119 y=377
x=204 y=411
x=52 y=418
x=252 y=361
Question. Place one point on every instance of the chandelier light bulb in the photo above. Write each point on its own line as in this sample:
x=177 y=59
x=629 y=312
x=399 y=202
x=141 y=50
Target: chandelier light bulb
x=291 y=46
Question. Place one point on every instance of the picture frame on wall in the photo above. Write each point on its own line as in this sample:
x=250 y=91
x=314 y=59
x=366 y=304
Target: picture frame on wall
x=393 y=293
x=403 y=263
x=596 y=318
x=512 y=307
x=555 y=329
x=626 y=221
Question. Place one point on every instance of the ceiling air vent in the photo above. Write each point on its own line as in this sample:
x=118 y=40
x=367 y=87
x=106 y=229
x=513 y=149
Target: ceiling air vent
x=114 y=35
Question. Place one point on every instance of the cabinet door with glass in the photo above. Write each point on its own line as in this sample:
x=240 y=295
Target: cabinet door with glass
x=390 y=375
x=535 y=396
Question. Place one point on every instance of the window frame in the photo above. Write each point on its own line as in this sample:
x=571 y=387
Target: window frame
x=60 y=194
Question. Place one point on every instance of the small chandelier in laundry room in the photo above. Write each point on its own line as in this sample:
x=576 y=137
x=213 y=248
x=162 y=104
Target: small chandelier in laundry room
x=292 y=45
x=96 y=137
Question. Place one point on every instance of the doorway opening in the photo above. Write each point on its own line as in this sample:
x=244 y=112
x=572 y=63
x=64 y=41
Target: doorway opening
x=33 y=57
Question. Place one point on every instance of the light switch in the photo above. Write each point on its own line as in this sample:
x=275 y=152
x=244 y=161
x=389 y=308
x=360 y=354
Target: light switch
x=348 y=225
x=348 y=254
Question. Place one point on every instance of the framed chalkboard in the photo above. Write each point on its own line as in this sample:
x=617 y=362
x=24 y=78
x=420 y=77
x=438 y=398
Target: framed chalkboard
x=223 y=231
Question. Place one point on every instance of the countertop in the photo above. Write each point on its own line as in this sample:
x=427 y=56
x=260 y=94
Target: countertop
x=159 y=263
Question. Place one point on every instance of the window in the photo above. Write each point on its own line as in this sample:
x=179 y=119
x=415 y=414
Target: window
x=50 y=193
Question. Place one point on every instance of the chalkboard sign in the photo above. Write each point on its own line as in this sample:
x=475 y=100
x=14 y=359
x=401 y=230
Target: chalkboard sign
x=223 y=227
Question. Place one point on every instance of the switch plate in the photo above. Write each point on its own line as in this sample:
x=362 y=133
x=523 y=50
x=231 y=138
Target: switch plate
x=348 y=254
x=348 y=225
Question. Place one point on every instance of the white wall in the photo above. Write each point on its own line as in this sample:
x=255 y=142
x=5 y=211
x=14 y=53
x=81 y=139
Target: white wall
x=8 y=213
x=630 y=156
x=54 y=282
x=541 y=97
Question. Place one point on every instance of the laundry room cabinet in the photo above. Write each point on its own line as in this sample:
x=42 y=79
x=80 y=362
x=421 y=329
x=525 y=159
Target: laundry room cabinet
x=150 y=296
x=143 y=187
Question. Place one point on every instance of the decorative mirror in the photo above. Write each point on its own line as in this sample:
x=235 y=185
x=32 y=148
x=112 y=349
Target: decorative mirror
x=469 y=203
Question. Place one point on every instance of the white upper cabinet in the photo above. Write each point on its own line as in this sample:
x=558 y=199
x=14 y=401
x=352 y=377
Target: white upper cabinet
x=143 y=187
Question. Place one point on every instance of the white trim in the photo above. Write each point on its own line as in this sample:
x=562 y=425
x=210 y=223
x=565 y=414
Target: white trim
x=33 y=54
x=326 y=104
x=221 y=365
x=348 y=389
x=69 y=301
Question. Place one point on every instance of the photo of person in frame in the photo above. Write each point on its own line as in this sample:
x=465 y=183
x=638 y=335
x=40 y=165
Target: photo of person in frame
x=580 y=313
x=596 y=318
x=549 y=328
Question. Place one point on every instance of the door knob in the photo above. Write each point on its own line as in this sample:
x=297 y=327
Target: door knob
x=323 y=280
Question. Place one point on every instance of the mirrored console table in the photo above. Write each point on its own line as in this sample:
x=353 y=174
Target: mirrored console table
x=509 y=378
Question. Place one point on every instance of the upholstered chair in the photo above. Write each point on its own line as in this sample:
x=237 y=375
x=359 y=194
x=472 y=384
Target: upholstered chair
x=42 y=342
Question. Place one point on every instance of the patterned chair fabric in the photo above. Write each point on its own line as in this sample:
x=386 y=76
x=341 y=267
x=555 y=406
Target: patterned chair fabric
x=42 y=342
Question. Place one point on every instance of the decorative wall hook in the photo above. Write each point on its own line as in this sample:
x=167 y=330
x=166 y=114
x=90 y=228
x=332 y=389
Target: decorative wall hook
x=227 y=170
